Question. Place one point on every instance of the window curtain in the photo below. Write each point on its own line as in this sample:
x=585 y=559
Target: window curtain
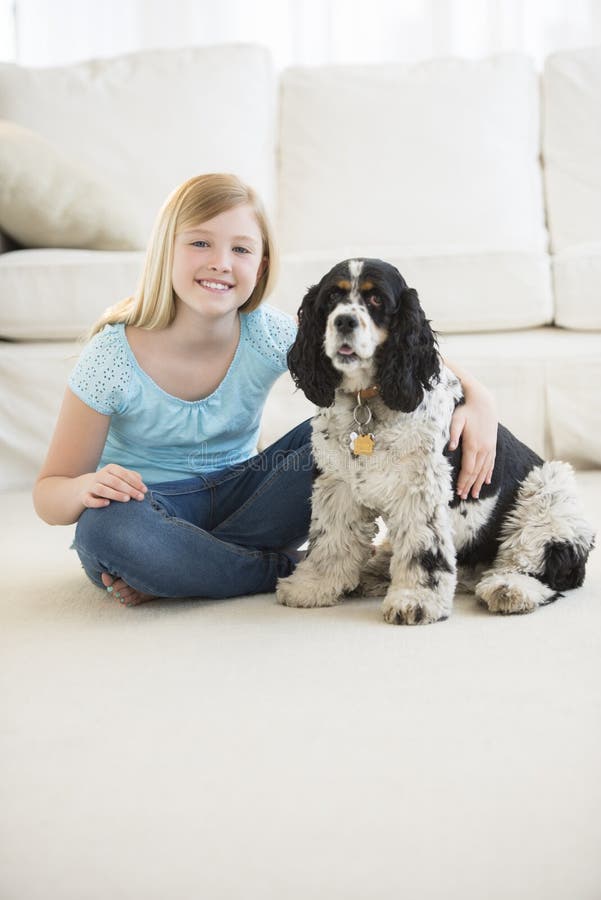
x=298 y=32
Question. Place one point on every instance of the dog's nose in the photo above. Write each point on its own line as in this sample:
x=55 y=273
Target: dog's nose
x=346 y=322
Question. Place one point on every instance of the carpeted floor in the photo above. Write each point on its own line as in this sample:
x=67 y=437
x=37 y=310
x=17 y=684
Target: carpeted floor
x=239 y=749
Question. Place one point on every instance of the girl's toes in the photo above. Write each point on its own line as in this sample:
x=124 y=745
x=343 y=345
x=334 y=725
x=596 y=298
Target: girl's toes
x=115 y=587
x=122 y=592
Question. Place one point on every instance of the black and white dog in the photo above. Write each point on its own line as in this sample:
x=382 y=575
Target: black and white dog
x=366 y=355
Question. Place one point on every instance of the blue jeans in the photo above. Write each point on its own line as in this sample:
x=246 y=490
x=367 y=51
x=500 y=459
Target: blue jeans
x=217 y=535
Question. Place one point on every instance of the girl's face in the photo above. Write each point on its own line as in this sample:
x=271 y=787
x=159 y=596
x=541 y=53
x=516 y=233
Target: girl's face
x=217 y=263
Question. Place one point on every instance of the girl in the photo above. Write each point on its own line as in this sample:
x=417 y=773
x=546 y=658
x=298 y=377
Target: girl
x=154 y=451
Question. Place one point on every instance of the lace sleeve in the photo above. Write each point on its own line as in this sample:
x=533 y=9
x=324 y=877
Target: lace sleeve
x=103 y=373
x=271 y=333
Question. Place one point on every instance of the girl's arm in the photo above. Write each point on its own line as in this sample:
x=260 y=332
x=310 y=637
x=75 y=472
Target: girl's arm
x=68 y=482
x=475 y=423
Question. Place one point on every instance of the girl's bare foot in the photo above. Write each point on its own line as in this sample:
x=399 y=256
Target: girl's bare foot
x=122 y=592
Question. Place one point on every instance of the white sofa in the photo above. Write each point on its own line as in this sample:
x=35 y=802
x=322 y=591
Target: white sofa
x=480 y=180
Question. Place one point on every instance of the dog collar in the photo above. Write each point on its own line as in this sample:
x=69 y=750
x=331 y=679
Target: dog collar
x=367 y=393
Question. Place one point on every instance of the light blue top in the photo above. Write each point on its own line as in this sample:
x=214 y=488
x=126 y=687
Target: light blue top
x=165 y=438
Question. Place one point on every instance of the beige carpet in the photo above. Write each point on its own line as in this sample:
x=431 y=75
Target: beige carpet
x=238 y=749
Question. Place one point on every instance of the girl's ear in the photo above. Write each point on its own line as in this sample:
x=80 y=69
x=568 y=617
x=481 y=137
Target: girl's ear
x=408 y=361
x=309 y=366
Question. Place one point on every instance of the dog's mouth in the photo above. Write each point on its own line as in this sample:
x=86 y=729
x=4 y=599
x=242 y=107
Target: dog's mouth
x=346 y=354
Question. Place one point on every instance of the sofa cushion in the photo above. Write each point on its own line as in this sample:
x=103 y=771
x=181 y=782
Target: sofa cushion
x=49 y=200
x=33 y=378
x=577 y=280
x=436 y=162
x=572 y=146
x=572 y=150
x=145 y=122
x=459 y=292
x=545 y=383
x=58 y=294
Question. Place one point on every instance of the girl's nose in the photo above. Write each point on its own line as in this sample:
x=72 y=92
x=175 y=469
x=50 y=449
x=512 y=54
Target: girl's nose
x=220 y=261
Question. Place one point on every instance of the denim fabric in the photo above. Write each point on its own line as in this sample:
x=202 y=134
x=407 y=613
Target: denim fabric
x=216 y=535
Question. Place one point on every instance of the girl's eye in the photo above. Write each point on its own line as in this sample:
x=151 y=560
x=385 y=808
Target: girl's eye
x=375 y=301
x=203 y=244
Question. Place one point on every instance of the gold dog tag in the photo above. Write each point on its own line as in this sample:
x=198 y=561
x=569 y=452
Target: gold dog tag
x=363 y=445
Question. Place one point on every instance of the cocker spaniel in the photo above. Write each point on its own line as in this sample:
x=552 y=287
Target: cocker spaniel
x=366 y=355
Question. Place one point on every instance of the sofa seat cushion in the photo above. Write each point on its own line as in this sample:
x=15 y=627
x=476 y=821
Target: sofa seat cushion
x=58 y=294
x=544 y=380
x=449 y=284
x=577 y=280
x=431 y=162
x=145 y=122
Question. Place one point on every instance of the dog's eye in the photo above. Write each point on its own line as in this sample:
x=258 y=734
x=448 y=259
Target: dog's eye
x=374 y=300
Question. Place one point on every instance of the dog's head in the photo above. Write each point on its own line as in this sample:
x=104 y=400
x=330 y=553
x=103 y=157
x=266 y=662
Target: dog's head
x=360 y=326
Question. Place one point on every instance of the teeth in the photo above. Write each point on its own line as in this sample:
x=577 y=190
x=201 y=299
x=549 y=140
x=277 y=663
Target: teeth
x=215 y=285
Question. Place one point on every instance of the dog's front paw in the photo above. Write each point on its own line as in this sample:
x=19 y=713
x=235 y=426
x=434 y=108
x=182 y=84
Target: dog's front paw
x=304 y=592
x=405 y=606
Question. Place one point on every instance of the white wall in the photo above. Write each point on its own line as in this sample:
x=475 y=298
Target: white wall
x=52 y=32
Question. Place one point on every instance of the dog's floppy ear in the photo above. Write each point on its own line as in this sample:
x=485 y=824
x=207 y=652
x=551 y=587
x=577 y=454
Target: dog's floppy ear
x=408 y=361
x=309 y=366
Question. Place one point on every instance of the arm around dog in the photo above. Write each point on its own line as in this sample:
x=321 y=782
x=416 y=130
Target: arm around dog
x=474 y=423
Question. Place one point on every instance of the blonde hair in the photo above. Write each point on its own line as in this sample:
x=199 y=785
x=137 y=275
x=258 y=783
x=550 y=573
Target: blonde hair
x=194 y=202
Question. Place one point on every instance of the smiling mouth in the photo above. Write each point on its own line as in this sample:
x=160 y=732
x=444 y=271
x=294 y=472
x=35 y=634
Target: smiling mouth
x=218 y=286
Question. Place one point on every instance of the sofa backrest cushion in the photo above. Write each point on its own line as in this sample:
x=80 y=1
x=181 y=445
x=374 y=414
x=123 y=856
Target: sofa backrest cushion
x=572 y=164
x=434 y=167
x=145 y=122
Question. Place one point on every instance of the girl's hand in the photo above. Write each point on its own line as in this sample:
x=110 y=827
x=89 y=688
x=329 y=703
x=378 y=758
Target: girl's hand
x=112 y=482
x=475 y=424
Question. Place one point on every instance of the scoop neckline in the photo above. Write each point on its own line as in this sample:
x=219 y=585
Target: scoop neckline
x=233 y=365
